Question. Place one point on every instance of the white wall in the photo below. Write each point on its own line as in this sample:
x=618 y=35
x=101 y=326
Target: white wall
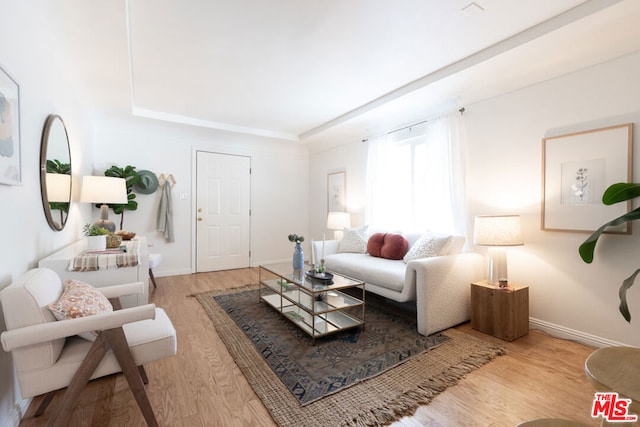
x=567 y=297
x=44 y=90
x=279 y=180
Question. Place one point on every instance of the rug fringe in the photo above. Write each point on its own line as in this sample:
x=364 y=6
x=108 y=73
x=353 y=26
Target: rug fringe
x=408 y=402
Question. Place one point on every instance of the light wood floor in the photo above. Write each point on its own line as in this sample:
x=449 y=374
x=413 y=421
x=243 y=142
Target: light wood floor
x=201 y=386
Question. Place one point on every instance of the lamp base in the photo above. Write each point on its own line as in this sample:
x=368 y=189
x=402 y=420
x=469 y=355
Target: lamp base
x=104 y=221
x=498 y=267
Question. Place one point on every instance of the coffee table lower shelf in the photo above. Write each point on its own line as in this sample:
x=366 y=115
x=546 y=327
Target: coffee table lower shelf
x=317 y=325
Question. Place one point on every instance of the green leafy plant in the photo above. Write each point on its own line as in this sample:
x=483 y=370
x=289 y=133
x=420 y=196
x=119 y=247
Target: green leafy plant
x=295 y=238
x=94 y=230
x=616 y=193
x=131 y=177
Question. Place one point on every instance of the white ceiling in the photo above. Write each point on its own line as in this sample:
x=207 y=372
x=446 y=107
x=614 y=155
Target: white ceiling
x=319 y=70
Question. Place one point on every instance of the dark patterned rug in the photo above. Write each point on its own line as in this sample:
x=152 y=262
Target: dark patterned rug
x=336 y=361
x=378 y=400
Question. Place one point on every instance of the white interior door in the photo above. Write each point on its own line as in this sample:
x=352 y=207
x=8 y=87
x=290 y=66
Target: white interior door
x=222 y=211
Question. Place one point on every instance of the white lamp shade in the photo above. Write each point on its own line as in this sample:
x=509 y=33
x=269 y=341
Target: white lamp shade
x=103 y=189
x=58 y=188
x=338 y=220
x=498 y=230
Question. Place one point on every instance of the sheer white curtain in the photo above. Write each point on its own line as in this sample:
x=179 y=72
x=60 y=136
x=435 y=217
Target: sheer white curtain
x=415 y=180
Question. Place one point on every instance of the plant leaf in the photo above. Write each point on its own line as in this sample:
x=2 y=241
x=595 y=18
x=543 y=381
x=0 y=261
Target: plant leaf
x=620 y=192
x=588 y=247
x=626 y=284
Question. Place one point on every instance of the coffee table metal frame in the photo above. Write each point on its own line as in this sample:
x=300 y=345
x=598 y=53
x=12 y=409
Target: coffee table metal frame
x=317 y=308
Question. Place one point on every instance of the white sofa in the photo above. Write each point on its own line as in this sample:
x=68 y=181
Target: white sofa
x=440 y=284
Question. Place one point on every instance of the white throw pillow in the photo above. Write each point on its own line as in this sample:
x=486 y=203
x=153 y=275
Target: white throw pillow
x=429 y=245
x=80 y=299
x=354 y=240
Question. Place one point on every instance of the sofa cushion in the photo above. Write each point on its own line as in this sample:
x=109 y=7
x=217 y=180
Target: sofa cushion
x=80 y=299
x=381 y=272
x=387 y=245
x=374 y=245
x=353 y=240
x=429 y=245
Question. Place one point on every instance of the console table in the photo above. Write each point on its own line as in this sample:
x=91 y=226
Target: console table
x=318 y=309
x=59 y=262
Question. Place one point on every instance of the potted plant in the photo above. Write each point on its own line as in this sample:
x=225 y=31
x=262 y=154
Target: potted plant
x=96 y=237
x=616 y=193
x=298 y=255
x=131 y=177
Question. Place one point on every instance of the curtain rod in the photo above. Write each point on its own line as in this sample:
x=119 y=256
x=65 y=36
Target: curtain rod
x=460 y=110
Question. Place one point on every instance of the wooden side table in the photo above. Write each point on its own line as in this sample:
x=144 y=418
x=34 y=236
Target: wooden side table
x=501 y=312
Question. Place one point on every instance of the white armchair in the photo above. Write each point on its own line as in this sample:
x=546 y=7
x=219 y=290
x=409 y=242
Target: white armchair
x=48 y=355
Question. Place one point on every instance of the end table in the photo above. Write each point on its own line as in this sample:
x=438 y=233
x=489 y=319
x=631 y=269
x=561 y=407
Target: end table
x=501 y=312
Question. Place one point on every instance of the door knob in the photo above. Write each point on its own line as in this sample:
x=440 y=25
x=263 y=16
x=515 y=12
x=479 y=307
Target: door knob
x=199 y=218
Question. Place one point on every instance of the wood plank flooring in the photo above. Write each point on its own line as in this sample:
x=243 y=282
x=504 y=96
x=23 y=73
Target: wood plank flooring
x=201 y=386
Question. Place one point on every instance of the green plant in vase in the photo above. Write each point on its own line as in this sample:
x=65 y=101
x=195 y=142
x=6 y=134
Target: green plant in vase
x=94 y=230
x=131 y=177
x=298 y=255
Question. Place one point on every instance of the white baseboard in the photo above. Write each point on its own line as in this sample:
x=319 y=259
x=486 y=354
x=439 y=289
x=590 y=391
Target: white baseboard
x=571 y=334
x=12 y=419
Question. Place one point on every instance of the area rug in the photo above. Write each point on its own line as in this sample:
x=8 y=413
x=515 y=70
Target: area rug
x=369 y=376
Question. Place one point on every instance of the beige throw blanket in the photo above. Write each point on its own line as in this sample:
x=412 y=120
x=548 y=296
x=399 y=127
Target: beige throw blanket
x=93 y=261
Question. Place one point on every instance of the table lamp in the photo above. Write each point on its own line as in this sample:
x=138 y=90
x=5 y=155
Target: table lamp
x=497 y=231
x=104 y=189
x=338 y=221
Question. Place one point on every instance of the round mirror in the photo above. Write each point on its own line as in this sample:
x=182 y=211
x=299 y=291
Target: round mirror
x=55 y=172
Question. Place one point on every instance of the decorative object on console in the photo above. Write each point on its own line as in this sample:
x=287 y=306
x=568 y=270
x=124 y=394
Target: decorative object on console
x=497 y=231
x=298 y=254
x=96 y=237
x=338 y=221
x=103 y=189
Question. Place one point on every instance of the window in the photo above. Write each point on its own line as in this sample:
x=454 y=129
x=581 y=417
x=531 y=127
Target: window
x=415 y=179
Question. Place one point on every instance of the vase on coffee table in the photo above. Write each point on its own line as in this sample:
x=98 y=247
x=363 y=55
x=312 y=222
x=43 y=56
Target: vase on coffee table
x=298 y=257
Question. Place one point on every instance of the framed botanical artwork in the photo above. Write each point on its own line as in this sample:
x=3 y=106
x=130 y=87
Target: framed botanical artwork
x=576 y=170
x=337 y=192
x=10 y=172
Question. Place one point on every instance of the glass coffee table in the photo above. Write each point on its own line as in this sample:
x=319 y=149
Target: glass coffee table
x=318 y=307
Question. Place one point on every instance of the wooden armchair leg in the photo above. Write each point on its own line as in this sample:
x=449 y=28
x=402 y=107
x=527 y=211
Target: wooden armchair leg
x=63 y=412
x=118 y=342
x=143 y=374
x=45 y=402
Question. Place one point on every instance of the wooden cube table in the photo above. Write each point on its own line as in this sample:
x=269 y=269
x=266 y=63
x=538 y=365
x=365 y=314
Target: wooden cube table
x=501 y=312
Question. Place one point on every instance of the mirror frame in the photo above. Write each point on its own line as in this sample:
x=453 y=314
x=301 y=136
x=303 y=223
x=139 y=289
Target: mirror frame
x=44 y=145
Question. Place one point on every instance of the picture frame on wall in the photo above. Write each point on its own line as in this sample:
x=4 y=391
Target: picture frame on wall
x=337 y=192
x=10 y=170
x=576 y=170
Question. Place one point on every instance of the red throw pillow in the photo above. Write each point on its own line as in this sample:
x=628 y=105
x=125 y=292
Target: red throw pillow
x=374 y=245
x=395 y=246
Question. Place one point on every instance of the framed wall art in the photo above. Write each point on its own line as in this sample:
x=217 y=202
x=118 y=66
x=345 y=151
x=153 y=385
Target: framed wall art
x=10 y=172
x=337 y=192
x=576 y=170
